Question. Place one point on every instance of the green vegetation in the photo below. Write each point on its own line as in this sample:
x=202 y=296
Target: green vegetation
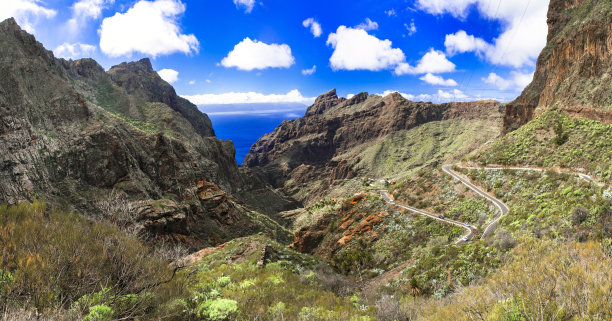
x=439 y=270
x=56 y=261
x=544 y=280
x=67 y=268
x=405 y=152
x=554 y=139
x=439 y=193
x=549 y=203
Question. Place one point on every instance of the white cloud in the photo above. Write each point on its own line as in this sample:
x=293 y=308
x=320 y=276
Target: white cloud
x=25 y=12
x=355 y=49
x=89 y=8
x=517 y=80
x=461 y=42
x=521 y=79
x=411 y=28
x=294 y=96
x=367 y=25
x=523 y=22
x=169 y=75
x=208 y=81
x=74 y=50
x=249 y=55
x=437 y=80
x=439 y=97
x=84 y=9
x=391 y=12
x=433 y=62
x=307 y=72
x=315 y=27
x=149 y=28
x=192 y=82
x=457 y=8
x=246 y=4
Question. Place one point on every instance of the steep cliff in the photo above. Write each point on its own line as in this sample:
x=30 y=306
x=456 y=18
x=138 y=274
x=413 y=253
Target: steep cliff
x=77 y=136
x=368 y=135
x=574 y=70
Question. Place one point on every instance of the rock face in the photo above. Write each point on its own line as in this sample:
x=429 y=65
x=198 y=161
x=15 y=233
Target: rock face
x=144 y=84
x=73 y=134
x=574 y=70
x=319 y=146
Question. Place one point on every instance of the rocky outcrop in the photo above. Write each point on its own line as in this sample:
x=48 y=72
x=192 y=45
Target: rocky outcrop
x=75 y=135
x=574 y=70
x=319 y=147
x=142 y=82
x=336 y=230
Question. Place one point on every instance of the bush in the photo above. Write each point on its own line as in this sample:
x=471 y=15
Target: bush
x=217 y=309
x=99 y=312
x=51 y=259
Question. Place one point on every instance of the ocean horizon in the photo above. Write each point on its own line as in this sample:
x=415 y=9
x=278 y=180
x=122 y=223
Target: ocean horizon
x=244 y=130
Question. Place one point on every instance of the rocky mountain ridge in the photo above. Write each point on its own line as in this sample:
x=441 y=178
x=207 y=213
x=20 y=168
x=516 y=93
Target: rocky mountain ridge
x=326 y=143
x=574 y=70
x=77 y=137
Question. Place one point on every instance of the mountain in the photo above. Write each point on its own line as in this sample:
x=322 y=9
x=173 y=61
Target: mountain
x=341 y=139
x=117 y=143
x=574 y=70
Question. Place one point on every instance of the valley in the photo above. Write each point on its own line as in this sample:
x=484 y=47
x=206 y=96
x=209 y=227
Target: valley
x=119 y=202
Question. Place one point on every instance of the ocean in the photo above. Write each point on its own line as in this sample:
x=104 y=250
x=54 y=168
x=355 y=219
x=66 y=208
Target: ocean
x=245 y=130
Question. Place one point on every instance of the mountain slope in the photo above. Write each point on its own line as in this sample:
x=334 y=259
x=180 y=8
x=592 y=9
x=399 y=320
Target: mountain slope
x=114 y=144
x=367 y=135
x=574 y=70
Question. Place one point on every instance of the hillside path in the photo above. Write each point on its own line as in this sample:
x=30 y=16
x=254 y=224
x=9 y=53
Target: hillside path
x=503 y=208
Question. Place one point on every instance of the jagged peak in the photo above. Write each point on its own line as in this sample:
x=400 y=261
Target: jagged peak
x=328 y=95
x=30 y=47
x=9 y=22
x=356 y=99
x=323 y=102
x=395 y=97
x=146 y=62
x=143 y=64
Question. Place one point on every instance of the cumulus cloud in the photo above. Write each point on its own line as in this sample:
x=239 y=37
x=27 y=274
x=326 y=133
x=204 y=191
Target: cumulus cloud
x=246 y=4
x=439 y=97
x=434 y=61
x=516 y=81
x=355 y=49
x=25 y=12
x=149 y=28
x=90 y=8
x=391 y=12
x=461 y=42
x=523 y=22
x=315 y=27
x=307 y=72
x=252 y=54
x=169 y=75
x=192 y=82
x=437 y=80
x=85 y=9
x=74 y=50
x=294 y=96
x=367 y=25
x=411 y=28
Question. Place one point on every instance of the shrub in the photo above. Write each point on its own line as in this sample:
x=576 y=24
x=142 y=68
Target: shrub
x=55 y=258
x=217 y=309
x=99 y=312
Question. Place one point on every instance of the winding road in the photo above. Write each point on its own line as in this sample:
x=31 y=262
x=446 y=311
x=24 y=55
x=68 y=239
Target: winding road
x=503 y=208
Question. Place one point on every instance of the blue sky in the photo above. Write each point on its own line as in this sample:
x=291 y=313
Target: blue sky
x=231 y=52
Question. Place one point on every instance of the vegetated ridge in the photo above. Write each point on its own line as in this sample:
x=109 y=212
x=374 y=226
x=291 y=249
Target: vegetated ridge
x=340 y=139
x=119 y=144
